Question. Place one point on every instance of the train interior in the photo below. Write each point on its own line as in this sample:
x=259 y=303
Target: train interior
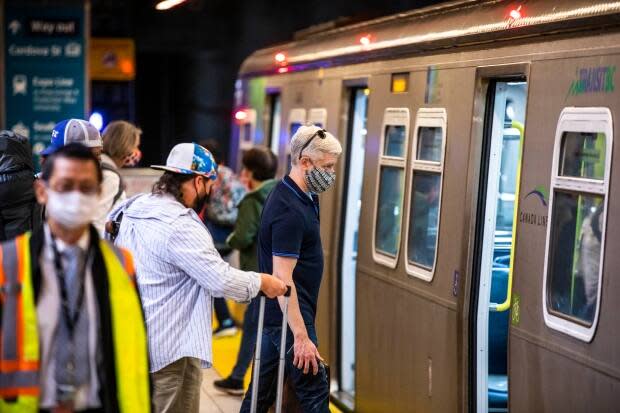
x=504 y=124
x=351 y=206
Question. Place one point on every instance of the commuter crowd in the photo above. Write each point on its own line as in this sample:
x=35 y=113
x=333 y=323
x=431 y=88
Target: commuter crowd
x=106 y=301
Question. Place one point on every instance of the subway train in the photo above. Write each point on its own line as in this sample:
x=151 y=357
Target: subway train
x=468 y=243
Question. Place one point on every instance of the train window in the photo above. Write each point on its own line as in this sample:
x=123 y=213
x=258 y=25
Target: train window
x=583 y=155
x=425 y=204
x=394 y=141
x=576 y=234
x=390 y=209
x=429 y=144
x=391 y=186
x=296 y=118
x=318 y=117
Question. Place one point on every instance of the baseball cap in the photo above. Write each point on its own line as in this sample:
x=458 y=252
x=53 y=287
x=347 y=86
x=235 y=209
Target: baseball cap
x=190 y=158
x=73 y=131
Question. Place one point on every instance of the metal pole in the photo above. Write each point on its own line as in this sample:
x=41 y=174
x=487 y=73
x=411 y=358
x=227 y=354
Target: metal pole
x=256 y=370
x=282 y=354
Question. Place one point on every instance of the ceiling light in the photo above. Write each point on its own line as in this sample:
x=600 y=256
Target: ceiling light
x=168 y=4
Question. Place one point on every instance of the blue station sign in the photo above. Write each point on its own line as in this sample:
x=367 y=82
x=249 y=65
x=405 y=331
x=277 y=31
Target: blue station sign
x=45 y=68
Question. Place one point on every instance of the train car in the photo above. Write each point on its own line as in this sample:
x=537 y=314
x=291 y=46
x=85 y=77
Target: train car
x=469 y=242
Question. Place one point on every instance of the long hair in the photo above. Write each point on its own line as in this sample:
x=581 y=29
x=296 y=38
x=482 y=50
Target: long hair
x=170 y=183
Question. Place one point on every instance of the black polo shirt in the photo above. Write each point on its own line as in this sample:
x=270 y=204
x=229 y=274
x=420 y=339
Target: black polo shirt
x=290 y=228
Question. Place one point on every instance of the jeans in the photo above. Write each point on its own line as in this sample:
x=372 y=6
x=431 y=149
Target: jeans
x=248 y=341
x=312 y=391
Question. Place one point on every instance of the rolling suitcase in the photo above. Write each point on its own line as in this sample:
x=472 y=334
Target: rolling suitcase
x=259 y=336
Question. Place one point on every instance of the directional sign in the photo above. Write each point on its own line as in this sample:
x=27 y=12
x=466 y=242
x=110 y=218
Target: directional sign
x=45 y=72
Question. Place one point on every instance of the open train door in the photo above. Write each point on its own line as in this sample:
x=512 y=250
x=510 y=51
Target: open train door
x=504 y=107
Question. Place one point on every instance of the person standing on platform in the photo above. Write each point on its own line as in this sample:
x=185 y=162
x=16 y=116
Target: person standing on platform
x=178 y=272
x=120 y=149
x=220 y=216
x=74 y=131
x=289 y=245
x=73 y=335
x=258 y=173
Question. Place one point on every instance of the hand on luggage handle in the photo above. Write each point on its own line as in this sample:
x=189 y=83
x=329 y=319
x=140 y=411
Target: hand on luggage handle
x=286 y=294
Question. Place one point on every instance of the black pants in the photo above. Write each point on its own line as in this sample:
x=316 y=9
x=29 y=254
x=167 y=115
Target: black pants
x=221 y=310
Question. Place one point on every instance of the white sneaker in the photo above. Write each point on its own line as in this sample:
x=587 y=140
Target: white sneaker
x=225 y=331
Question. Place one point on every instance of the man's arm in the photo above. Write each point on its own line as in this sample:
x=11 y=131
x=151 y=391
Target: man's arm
x=191 y=249
x=306 y=353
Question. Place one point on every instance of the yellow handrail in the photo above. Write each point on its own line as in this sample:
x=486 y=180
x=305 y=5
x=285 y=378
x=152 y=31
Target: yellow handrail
x=506 y=304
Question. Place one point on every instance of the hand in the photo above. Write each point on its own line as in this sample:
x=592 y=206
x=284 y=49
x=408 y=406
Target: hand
x=271 y=286
x=306 y=355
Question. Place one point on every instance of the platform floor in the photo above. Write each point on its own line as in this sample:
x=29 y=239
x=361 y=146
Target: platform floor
x=213 y=401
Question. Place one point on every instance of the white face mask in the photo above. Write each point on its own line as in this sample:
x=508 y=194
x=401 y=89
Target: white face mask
x=71 y=209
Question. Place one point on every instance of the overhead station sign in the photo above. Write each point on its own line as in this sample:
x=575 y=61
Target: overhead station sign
x=45 y=68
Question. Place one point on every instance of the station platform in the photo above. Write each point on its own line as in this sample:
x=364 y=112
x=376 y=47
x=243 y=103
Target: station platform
x=224 y=357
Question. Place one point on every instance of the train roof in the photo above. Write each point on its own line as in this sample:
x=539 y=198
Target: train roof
x=448 y=25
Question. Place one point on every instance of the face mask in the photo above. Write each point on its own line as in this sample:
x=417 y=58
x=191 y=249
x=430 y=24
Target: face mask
x=71 y=209
x=133 y=158
x=201 y=202
x=319 y=180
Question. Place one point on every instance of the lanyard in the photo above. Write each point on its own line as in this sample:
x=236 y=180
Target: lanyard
x=70 y=319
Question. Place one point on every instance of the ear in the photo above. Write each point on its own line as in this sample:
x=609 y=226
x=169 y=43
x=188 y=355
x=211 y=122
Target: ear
x=305 y=163
x=40 y=191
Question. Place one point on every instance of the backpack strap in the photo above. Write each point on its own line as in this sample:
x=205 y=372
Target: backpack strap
x=121 y=183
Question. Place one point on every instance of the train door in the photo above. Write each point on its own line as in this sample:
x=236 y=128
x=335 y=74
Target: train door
x=351 y=205
x=498 y=191
x=275 y=122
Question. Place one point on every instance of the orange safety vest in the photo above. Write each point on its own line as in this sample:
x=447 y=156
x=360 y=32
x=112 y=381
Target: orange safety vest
x=19 y=340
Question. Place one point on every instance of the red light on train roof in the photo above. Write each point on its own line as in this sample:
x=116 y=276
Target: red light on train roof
x=283 y=70
x=280 y=57
x=241 y=115
x=365 y=40
x=515 y=14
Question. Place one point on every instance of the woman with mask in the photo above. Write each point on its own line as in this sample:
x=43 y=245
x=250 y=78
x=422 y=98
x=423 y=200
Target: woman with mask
x=120 y=149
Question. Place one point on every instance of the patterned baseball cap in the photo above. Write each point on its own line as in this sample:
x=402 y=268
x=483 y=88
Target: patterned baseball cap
x=73 y=131
x=190 y=158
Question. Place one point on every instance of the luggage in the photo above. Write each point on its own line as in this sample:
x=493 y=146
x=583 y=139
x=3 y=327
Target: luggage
x=259 y=336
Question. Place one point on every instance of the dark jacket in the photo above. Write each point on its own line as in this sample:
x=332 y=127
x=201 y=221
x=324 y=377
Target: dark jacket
x=244 y=236
x=19 y=211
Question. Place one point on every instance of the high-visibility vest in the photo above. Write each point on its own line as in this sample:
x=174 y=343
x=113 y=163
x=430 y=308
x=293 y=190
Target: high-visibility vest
x=19 y=338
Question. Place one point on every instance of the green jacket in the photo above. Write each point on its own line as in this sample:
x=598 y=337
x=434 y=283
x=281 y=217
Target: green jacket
x=245 y=235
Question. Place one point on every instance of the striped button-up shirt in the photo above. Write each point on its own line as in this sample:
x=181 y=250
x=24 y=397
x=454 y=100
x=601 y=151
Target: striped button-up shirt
x=178 y=271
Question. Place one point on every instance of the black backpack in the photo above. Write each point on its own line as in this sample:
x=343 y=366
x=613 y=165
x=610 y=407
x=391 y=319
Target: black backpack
x=19 y=210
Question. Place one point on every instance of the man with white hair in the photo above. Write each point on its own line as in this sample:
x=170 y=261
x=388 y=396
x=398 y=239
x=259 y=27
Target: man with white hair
x=289 y=246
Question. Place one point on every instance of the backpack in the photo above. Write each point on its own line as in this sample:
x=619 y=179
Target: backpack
x=121 y=185
x=19 y=210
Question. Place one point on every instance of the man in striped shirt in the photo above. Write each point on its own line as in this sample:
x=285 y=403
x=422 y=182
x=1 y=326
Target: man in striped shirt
x=179 y=271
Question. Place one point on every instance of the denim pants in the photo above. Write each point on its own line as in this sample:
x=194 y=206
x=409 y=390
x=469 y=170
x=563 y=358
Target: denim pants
x=248 y=341
x=312 y=391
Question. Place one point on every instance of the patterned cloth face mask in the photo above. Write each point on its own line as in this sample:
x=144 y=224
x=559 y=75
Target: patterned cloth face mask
x=319 y=180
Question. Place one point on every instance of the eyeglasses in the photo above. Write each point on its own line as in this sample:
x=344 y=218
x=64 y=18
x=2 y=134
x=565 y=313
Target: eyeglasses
x=321 y=133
